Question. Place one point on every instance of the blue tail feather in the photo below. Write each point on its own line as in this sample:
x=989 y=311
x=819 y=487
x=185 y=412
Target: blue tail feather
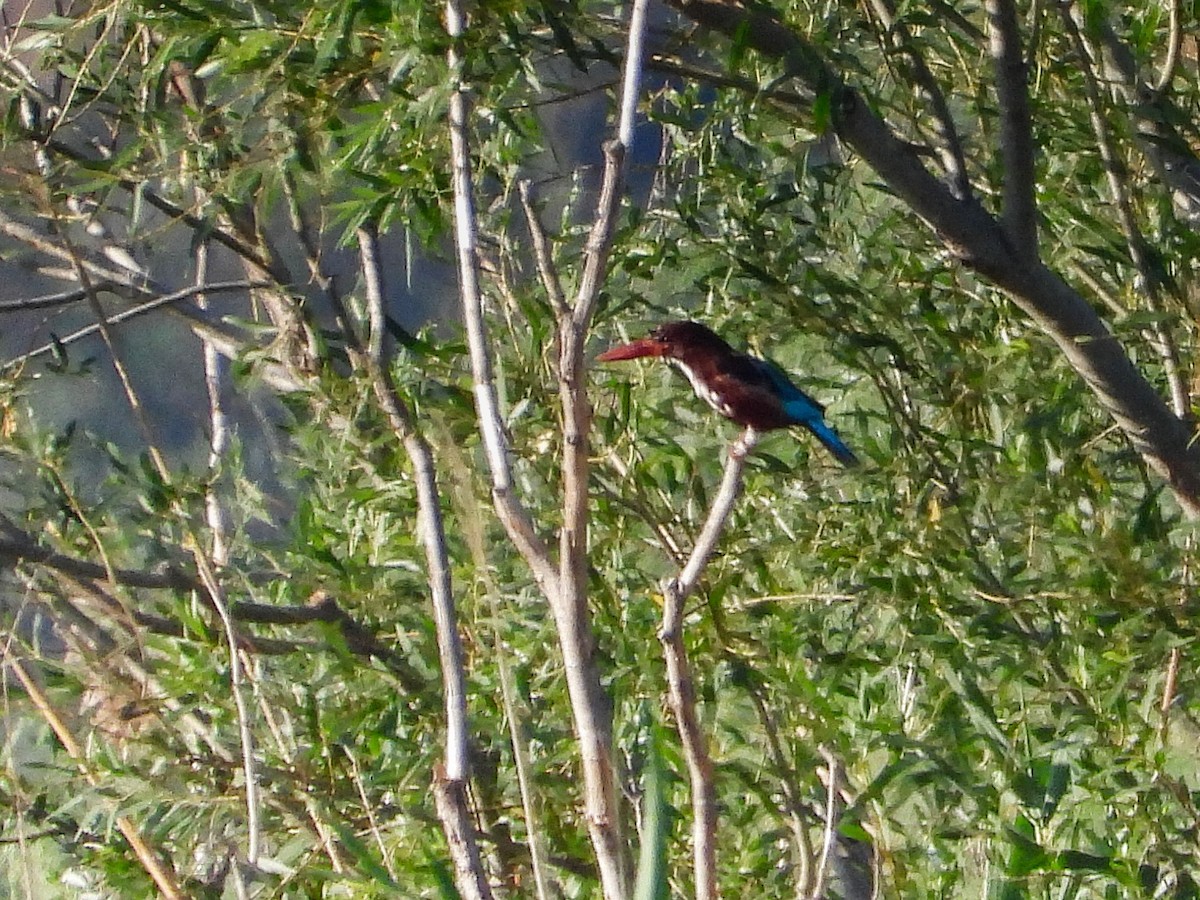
x=806 y=411
x=835 y=444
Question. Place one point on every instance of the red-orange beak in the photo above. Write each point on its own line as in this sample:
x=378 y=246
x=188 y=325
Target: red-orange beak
x=633 y=350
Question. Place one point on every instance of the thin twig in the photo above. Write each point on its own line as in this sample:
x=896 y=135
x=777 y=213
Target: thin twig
x=163 y=877
x=722 y=506
x=950 y=149
x=542 y=254
x=1174 y=45
x=369 y=809
x=125 y=315
x=1168 y=695
x=1139 y=252
x=681 y=691
x=797 y=813
x=64 y=299
x=103 y=274
x=216 y=378
x=833 y=806
x=433 y=533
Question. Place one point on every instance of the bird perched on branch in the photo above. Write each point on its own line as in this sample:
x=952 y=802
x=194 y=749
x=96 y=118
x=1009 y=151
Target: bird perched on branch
x=753 y=392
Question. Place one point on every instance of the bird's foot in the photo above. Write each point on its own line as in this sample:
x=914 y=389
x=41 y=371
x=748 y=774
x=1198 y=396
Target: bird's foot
x=744 y=444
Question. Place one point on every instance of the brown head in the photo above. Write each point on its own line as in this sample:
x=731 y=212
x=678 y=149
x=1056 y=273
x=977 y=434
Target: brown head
x=674 y=340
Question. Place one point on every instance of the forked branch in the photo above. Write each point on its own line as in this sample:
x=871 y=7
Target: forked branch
x=681 y=688
x=564 y=584
x=1016 y=128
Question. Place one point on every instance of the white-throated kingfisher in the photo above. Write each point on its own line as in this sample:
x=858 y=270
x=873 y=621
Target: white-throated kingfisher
x=753 y=392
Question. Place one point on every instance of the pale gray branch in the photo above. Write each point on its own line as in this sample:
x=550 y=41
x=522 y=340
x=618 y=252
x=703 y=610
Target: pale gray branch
x=681 y=692
x=833 y=814
x=543 y=255
x=450 y=778
x=1174 y=45
x=681 y=688
x=722 y=506
x=509 y=508
x=1016 y=128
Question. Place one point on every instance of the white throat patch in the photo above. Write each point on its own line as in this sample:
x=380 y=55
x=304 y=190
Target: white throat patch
x=712 y=398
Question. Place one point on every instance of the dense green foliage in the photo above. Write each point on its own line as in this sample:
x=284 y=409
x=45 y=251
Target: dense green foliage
x=979 y=623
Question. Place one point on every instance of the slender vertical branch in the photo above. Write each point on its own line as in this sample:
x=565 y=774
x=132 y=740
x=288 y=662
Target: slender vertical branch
x=1174 y=45
x=1019 y=216
x=511 y=511
x=950 y=147
x=566 y=587
x=680 y=684
x=1137 y=245
x=681 y=692
x=1170 y=683
x=590 y=703
x=833 y=807
x=450 y=778
x=542 y=254
x=433 y=530
x=216 y=371
x=467 y=504
x=797 y=813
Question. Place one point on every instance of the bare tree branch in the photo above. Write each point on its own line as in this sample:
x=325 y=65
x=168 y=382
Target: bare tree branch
x=797 y=813
x=589 y=699
x=1173 y=158
x=17 y=546
x=950 y=147
x=1149 y=281
x=450 y=778
x=833 y=814
x=450 y=798
x=1016 y=128
x=566 y=588
x=542 y=254
x=1174 y=44
x=511 y=511
x=680 y=685
x=125 y=315
x=681 y=691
